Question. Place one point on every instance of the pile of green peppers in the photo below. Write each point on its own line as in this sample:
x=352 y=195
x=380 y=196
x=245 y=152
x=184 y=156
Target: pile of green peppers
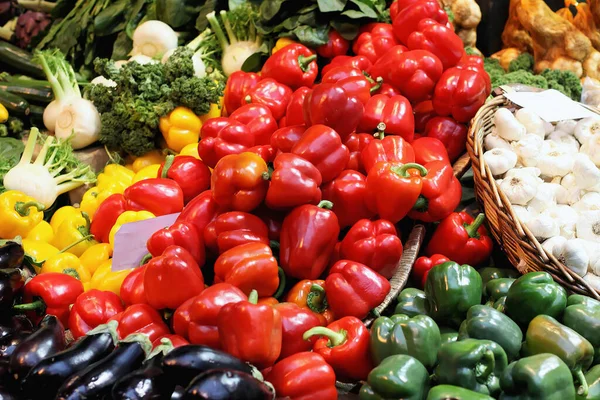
x=487 y=334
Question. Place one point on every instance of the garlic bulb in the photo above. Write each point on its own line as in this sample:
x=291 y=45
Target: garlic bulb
x=531 y=121
x=565 y=140
x=520 y=188
x=507 y=126
x=500 y=160
x=586 y=128
x=544 y=198
x=556 y=242
x=493 y=141
x=522 y=213
x=593 y=251
x=591 y=148
x=528 y=149
x=588 y=226
x=567 y=126
x=593 y=281
x=587 y=175
x=589 y=202
x=554 y=160
x=548 y=127
x=567 y=219
x=572 y=253
x=543 y=226
x=573 y=193
x=533 y=171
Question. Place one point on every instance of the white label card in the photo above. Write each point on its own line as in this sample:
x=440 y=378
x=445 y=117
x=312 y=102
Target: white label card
x=550 y=105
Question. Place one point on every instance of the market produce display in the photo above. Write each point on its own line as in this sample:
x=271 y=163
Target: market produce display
x=267 y=174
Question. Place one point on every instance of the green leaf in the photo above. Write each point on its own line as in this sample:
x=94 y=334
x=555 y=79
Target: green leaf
x=112 y=19
x=253 y=63
x=270 y=8
x=312 y=37
x=10 y=150
x=331 y=5
x=207 y=8
x=176 y=13
x=354 y=14
x=347 y=30
x=122 y=46
x=367 y=7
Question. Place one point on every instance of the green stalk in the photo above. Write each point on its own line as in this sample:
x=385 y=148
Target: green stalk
x=335 y=338
x=42 y=154
x=232 y=37
x=30 y=146
x=475 y=225
x=216 y=27
x=57 y=89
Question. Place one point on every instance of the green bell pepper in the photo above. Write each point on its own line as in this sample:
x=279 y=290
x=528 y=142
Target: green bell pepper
x=489 y=273
x=397 y=377
x=497 y=288
x=547 y=335
x=487 y=323
x=498 y=305
x=448 y=334
x=445 y=392
x=533 y=294
x=543 y=376
x=472 y=364
x=411 y=302
x=583 y=316
x=451 y=289
x=593 y=380
x=418 y=337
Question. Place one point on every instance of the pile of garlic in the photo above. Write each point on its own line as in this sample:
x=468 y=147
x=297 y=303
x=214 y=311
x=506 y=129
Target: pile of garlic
x=550 y=175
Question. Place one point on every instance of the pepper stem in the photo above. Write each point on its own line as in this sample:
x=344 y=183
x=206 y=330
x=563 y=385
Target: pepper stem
x=145 y=259
x=377 y=85
x=486 y=366
x=274 y=244
x=335 y=338
x=473 y=227
x=168 y=164
x=421 y=205
x=248 y=99
x=253 y=297
x=164 y=348
x=83 y=239
x=326 y=204
x=304 y=62
x=72 y=272
x=583 y=388
x=403 y=170
x=316 y=300
x=281 y=286
x=23 y=208
x=380 y=134
x=33 y=306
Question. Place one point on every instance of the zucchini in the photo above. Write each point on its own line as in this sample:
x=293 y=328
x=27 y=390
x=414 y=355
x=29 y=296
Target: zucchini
x=14 y=103
x=20 y=60
x=36 y=112
x=38 y=95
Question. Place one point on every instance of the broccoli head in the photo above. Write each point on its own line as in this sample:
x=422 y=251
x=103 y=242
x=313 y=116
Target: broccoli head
x=196 y=94
x=522 y=77
x=523 y=62
x=493 y=68
x=564 y=81
x=180 y=64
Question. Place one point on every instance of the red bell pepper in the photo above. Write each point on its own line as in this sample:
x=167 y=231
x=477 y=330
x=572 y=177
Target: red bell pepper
x=157 y=195
x=408 y=18
x=353 y=289
x=423 y=113
x=356 y=143
x=50 y=293
x=331 y=105
x=308 y=236
x=284 y=139
x=303 y=376
x=270 y=301
x=251 y=332
x=132 y=288
x=391 y=149
x=323 y=148
x=200 y=211
x=345 y=345
x=248 y=127
x=415 y=72
x=374 y=40
x=354 y=82
x=335 y=46
x=204 y=311
x=360 y=62
x=249 y=266
x=238 y=84
x=347 y=193
x=475 y=63
x=294 y=182
x=440 y=195
x=460 y=93
x=428 y=149
x=439 y=40
x=174 y=341
x=106 y=215
x=232 y=229
x=295 y=66
x=424 y=264
x=375 y=244
x=272 y=94
x=273 y=219
x=140 y=318
x=294 y=114
x=183 y=234
x=172 y=278
x=310 y=294
x=190 y=173
x=182 y=319
x=399 y=5
x=395 y=113
x=295 y=321
x=393 y=189
x=462 y=239
x=451 y=133
x=388 y=90
x=238 y=181
x=91 y=309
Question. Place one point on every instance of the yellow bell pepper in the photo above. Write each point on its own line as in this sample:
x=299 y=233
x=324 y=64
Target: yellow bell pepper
x=180 y=128
x=66 y=263
x=39 y=251
x=154 y=157
x=42 y=232
x=190 y=150
x=95 y=255
x=114 y=177
x=92 y=199
x=3 y=114
x=61 y=215
x=215 y=111
x=281 y=43
x=19 y=214
x=125 y=218
x=105 y=279
x=73 y=234
x=151 y=171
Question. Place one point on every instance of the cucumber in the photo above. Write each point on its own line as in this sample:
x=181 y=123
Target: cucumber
x=37 y=95
x=20 y=60
x=14 y=103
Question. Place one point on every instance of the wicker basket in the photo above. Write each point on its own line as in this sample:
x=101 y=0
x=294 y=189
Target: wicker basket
x=521 y=247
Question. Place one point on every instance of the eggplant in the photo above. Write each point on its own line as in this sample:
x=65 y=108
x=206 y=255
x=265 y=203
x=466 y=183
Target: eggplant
x=14 y=324
x=186 y=362
x=5 y=394
x=46 y=341
x=96 y=381
x=11 y=255
x=11 y=282
x=44 y=380
x=226 y=384
x=178 y=393
x=10 y=343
